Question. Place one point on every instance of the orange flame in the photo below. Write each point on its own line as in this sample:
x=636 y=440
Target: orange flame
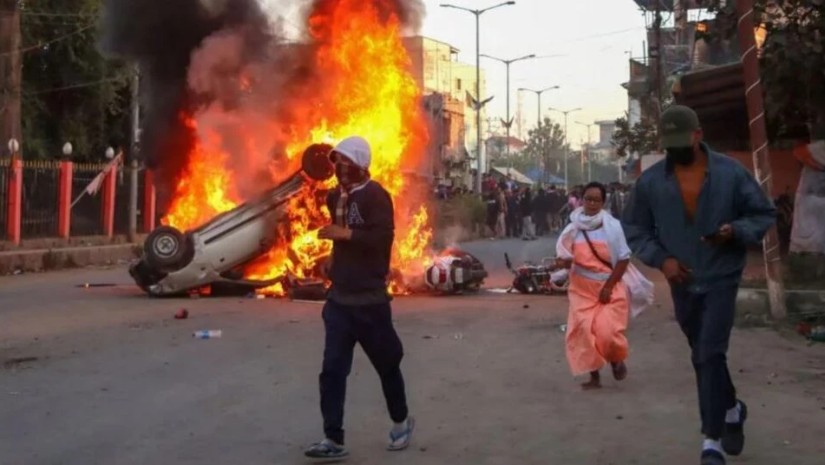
x=363 y=86
x=204 y=189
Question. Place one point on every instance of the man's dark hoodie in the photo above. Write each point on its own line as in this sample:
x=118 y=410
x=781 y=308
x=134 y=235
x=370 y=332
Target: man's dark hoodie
x=361 y=266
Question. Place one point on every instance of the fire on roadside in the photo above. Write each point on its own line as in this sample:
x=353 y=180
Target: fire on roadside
x=362 y=86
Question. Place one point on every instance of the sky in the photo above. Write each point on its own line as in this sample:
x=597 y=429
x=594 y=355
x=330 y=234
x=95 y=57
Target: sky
x=587 y=42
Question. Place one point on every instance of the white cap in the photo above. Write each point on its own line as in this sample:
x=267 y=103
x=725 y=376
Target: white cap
x=356 y=149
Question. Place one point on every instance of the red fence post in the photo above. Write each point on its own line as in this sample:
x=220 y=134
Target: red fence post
x=109 y=187
x=14 y=208
x=64 y=199
x=149 y=201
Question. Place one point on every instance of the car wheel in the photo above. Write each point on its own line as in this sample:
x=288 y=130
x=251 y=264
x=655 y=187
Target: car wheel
x=166 y=249
x=315 y=162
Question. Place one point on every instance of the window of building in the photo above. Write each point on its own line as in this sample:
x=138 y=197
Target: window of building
x=458 y=84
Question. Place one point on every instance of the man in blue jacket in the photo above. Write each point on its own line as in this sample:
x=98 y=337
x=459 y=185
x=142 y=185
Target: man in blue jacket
x=358 y=305
x=692 y=216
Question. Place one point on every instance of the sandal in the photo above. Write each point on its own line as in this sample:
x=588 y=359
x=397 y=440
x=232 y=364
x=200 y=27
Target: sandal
x=400 y=441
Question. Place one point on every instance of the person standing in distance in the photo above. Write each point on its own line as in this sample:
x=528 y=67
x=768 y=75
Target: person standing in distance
x=358 y=309
x=692 y=216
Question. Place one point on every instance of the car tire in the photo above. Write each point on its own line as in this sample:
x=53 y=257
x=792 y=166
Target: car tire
x=315 y=162
x=166 y=249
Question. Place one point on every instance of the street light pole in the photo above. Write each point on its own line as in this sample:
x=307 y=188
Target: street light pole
x=566 y=146
x=538 y=94
x=479 y=102
x=589 y=147
x=507 y=64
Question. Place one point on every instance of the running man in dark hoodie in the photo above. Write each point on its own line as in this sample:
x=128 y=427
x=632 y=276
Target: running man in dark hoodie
x=693 y=215
x=358 y=304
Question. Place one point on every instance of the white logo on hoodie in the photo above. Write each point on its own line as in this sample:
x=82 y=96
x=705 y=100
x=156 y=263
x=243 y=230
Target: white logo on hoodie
x=354 y=215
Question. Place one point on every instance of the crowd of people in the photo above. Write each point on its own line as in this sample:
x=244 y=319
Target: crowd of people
x=527 y=212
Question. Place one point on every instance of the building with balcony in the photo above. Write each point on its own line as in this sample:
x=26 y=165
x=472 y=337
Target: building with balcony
x=448 y=87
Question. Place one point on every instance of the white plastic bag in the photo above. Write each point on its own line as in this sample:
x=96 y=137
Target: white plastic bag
x=639 y=289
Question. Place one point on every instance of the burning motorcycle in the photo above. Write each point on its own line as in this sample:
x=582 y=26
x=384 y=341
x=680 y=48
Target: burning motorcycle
x=544 y=278
x=455 y=272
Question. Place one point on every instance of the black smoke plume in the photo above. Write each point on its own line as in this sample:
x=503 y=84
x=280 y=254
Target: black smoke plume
x=160 y=36
x=191 y=54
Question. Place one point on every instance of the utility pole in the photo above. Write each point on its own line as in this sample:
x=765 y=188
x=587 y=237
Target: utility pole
x=509 y=121
x=10 y=72
x=566 y=147
x=478 y=103
x=680 y=18
x=135 y=151
x=657 y=50
x=761 y=155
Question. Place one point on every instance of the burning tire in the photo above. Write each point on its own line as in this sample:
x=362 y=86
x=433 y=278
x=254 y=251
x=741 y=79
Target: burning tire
x=315 y=162
x=166 y=249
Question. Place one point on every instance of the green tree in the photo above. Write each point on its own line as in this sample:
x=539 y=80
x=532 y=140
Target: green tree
x=545 y=146
x=792 y=60
x=70 y=91
x=641 y=138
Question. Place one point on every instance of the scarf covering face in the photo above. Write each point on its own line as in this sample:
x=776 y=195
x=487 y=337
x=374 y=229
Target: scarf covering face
x=639 y=288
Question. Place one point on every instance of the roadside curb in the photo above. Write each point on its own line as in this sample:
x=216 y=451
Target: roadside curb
x=17 y=261
x=753 y=307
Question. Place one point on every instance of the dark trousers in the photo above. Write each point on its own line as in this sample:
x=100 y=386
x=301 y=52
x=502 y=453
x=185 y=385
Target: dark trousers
x=371 y=326
x=513 y=225
x=707 y=321
x=540 y=220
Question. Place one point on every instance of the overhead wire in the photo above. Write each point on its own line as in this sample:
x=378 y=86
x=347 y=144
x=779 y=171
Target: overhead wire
x=75 y=86
x=57 y=15
x=44 y=44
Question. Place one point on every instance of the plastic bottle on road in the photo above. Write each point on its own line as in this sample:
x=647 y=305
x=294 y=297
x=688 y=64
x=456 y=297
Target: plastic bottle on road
x=208 y=334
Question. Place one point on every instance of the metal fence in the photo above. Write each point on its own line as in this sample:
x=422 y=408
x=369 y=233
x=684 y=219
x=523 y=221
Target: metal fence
x=4 y=192
x=40 y=187
x=122 y=190
x=87 y=212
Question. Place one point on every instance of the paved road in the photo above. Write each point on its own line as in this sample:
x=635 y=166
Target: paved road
x=118 y=381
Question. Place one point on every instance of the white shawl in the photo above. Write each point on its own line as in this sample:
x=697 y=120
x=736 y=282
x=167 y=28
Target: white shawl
x=639 y=288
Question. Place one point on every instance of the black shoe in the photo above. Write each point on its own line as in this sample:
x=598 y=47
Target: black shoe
x=712 y=457
x=733 y=439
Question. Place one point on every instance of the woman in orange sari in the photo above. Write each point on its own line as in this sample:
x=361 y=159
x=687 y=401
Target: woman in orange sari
x=595 y=250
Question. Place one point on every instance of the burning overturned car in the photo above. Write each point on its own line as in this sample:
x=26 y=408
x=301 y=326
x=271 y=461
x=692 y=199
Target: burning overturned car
x=243 y=91
x=215 y=253
x=174 y=261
